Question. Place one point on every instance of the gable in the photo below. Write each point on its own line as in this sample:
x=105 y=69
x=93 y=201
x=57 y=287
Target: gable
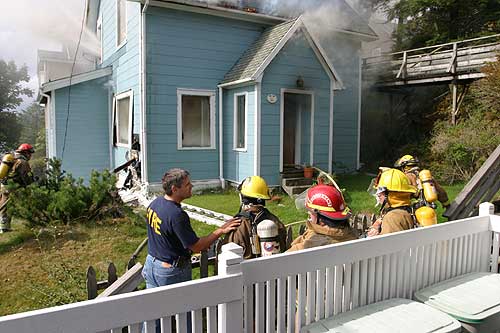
x=257 y=57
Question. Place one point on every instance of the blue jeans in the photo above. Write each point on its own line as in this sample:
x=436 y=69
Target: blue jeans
x=156 y=275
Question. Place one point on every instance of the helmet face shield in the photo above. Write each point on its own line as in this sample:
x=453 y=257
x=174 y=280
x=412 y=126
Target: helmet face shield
x=300 y=201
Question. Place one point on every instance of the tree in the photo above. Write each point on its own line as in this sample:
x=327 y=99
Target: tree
x=428 y=22
x=11 y=93
x=32 y=121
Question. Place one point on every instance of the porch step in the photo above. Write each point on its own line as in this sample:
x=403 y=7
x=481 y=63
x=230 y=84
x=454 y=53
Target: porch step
x=301 y=181
x=292 y=171
x=297 y=186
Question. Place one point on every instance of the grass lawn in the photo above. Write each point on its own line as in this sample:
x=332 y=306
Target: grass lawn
x=48 y=268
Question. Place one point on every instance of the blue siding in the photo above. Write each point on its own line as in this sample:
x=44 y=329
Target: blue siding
x=125 y=60
x=344 y=54
x=193 y=51
x=87 y=134
x=295 y=59
x=238 y=164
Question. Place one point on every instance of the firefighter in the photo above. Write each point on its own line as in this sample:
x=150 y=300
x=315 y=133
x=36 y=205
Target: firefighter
x=19 y=173
x=411 y=167
x=328 y=219
x=254 y=192
x=393 y=193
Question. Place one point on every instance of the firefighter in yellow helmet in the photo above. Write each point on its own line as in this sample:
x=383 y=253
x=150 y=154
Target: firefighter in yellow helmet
x=253 y=195
x=393 y=192
x=410 y=165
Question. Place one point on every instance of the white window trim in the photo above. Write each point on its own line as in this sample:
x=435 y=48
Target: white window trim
x=195 y=92
x=235 y=123
x=118 y=44
x=126 y=94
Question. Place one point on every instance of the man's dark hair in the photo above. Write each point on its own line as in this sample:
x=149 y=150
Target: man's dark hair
x=173 y=177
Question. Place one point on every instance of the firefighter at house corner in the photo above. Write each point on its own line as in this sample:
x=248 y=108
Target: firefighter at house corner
x=253 y=195
x=18 y=170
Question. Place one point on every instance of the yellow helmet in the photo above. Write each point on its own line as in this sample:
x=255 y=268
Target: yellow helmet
x=254 y=187
x=8 y=159
x=426 y=216
x=395 y=180
x=406 y=160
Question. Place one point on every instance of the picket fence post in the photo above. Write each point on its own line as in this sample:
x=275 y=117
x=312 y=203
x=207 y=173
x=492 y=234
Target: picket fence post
x=230 y=315
x=486 y=208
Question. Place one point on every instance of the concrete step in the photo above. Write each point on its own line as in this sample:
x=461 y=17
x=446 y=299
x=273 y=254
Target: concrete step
x=297 y=181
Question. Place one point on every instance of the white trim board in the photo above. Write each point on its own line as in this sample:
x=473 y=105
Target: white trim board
x=76 y=79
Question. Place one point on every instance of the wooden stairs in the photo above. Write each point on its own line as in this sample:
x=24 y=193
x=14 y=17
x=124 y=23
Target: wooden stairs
x=293 y=181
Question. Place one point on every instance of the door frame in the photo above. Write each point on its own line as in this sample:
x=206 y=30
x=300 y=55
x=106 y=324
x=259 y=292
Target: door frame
x=299 y=118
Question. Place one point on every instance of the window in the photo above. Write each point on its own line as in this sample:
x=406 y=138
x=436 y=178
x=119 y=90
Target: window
x=240 y=121
x=195 y=119
x=122 y=132
x=121 y=22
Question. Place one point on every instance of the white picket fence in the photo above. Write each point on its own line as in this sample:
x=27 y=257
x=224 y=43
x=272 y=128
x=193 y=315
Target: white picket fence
x=285 y=292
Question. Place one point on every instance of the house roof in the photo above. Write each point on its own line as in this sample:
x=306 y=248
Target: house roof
x=253 y=58
x=261 y=11
x=75 y=79
x=259 y=55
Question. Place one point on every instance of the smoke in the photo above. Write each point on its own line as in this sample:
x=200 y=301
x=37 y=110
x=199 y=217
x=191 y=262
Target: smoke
x=29 y=25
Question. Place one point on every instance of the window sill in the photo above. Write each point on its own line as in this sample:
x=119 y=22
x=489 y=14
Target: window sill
x=121 y=45
x=196 y=148
x=122 y=145
x=240 y=150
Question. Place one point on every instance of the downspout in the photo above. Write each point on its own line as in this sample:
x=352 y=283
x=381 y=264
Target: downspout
x=360 y=97
x=221 y=145
x=144 y=145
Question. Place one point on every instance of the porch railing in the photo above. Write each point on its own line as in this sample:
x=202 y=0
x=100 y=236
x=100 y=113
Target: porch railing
x=285 y=292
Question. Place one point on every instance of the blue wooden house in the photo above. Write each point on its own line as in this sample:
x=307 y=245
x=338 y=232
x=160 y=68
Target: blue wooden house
x=223 y=92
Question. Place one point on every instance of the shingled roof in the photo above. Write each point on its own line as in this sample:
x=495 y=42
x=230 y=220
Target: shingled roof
x=255 y=56
x=258 y=56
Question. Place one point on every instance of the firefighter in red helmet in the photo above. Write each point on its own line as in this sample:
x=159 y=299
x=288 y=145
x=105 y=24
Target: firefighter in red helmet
x=328 y=220
x=20 y=173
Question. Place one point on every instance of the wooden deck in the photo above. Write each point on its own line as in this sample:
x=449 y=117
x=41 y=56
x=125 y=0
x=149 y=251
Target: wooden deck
x=439 y=64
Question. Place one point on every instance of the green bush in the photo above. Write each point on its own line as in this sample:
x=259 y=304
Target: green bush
x=59 y=198
x=458 y=151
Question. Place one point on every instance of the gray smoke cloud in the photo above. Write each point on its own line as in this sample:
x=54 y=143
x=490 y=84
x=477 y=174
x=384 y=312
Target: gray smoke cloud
x=29 y=25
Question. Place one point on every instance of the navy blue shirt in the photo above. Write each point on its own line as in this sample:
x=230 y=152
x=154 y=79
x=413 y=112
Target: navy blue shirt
x=169 y=230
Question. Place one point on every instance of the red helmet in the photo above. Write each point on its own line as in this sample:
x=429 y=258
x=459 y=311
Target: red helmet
x=25 y=148
x=328 y=201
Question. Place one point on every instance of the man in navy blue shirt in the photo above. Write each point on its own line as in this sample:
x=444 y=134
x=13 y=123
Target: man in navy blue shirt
x=171 y=239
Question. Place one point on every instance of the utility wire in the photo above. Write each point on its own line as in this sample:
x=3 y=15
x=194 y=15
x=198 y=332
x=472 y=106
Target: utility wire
x=69 y=88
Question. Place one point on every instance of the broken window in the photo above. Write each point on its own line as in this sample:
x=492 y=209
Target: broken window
x=196 y=127
x=123 y=119
x=121 y=22
x=240 y=111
